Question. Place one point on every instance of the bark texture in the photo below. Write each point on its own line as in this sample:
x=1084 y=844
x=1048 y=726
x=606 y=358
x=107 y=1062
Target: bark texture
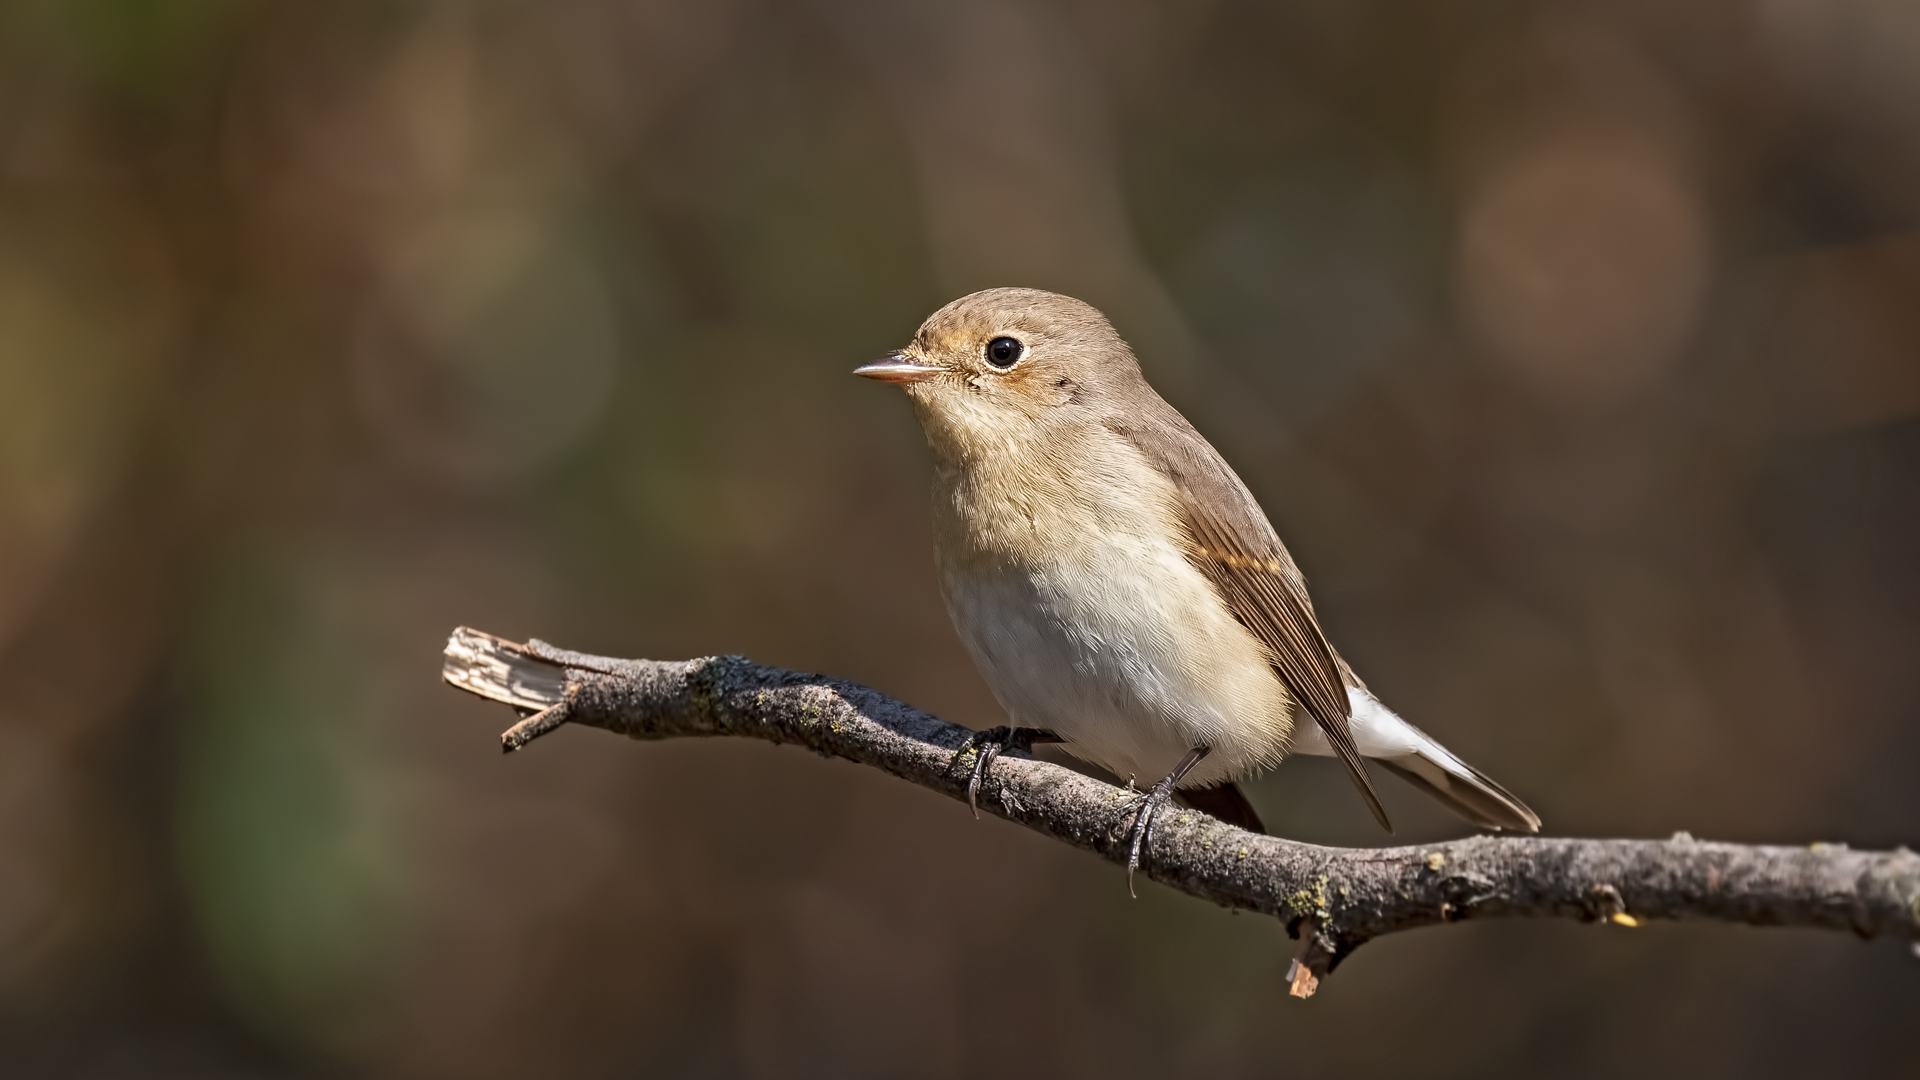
x=1332 y=900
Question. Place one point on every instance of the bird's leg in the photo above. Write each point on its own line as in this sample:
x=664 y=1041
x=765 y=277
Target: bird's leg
x=990 y=744
x=1147 y=805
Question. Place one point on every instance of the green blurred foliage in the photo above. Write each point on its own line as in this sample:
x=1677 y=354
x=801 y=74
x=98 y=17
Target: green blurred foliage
x=289 y=840
x=145 y=48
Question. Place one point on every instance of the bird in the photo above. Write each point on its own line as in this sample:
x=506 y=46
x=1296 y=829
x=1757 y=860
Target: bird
x=1118 y=586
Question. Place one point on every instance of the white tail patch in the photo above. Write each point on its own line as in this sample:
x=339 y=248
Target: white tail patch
x=1381 y=735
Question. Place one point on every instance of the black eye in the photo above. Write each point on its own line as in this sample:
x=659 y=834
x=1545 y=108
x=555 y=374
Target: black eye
x=1003 y=351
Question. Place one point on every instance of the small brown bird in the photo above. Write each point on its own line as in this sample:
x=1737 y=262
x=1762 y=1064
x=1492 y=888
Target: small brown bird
x=1118 y=586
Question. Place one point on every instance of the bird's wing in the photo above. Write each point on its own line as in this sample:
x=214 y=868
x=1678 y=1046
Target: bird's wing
x=1234 y=546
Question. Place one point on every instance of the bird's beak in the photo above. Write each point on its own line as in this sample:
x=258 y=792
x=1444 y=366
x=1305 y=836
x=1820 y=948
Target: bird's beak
x=899 y=367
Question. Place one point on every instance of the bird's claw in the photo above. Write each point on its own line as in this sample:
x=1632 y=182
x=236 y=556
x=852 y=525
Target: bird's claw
x=1146 y=808
x=986 y=746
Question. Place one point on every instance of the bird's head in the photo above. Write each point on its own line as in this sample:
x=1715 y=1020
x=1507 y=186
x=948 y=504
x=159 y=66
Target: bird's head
x=1002 y=366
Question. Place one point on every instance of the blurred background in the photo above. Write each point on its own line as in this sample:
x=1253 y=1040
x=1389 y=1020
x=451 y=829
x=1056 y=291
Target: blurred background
x=1573 y=346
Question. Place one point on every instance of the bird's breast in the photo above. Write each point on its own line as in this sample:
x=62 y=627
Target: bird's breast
x=1065 y=572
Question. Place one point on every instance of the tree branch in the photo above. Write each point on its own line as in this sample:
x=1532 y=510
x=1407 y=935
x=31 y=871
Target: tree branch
x=1333 y=900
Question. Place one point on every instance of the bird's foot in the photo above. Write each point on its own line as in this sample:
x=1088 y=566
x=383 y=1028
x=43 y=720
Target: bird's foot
x=990 y=744
x=1146 y=807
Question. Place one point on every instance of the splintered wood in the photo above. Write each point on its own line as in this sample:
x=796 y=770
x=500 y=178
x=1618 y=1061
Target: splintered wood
x=1301 y=981
x=501 y=670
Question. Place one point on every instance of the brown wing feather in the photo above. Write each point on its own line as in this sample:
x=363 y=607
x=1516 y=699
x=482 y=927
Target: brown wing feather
x=1235 y=548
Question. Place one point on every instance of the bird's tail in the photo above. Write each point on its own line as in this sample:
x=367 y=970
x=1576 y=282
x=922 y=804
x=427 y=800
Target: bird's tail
x=1424 y=763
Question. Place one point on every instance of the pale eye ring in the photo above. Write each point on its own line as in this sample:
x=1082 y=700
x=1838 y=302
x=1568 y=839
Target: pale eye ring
x=1004 y=352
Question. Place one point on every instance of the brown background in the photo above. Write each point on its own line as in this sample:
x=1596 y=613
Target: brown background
x=1574 y=347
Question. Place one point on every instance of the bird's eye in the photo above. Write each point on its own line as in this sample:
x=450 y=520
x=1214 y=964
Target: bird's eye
x=1003 y=351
